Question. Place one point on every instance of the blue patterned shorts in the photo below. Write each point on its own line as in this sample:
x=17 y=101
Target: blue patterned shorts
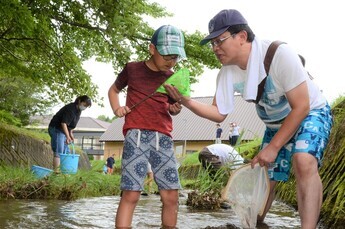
x=311 y=137
x=141 y=147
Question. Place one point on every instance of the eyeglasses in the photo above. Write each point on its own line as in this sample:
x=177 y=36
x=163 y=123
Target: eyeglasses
x=170 y=57
x=218 y=42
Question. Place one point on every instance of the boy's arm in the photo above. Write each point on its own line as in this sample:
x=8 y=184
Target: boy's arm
x=113 y=95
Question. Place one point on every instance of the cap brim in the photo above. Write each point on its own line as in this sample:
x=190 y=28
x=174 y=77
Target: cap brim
x=172 y=50
x=213 y=35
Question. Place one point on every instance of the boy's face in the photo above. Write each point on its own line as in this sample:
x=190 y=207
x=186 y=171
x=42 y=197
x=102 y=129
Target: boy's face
x=162 y=62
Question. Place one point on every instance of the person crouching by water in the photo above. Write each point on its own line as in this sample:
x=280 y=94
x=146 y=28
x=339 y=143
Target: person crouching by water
x=214 y=157
x=62 y=124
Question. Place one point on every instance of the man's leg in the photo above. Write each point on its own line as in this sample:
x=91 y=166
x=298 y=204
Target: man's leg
x=170 y=208
x=125 y=210
x=309 y=189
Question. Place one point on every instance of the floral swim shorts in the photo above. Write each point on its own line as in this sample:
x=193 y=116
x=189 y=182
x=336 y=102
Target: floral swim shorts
x=141 y=147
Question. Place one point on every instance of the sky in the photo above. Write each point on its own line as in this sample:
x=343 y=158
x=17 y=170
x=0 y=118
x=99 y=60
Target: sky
x=312 y=27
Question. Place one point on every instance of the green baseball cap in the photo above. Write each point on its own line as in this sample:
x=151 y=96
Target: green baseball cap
x=169 y=40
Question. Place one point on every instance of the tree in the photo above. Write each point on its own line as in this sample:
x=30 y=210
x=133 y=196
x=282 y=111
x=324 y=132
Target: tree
x=104 y=118
x=22 y=98
x=46 y=42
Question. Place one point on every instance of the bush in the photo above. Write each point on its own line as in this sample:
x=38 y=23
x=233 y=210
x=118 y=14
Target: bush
x=6 y=117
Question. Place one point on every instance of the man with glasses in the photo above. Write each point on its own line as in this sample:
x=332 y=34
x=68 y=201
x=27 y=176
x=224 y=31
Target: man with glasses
x=297 y=116
x=148 y=125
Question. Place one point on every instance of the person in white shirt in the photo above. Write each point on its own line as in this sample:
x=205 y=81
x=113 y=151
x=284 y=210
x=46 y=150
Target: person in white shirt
x=297 y=116
x=215 y=156
x=234 y=133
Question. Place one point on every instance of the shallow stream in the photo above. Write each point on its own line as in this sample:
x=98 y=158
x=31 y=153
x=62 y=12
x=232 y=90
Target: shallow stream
x=100 y=213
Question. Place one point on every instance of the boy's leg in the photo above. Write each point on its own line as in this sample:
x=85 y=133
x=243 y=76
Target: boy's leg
x=170 y=208
x=132 y=179
x=164 y=168
x=125 y=210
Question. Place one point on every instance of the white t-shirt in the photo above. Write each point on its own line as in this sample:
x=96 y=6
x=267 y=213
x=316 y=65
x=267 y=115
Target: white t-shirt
x=226 y=153
x=286 y=73
x=236 y=131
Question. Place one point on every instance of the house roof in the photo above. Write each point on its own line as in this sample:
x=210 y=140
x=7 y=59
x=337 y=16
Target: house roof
x=91 y=124
x=87 y=124
x=189 y=126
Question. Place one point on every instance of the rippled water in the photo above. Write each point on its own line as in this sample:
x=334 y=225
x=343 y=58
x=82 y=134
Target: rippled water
x=100 y=213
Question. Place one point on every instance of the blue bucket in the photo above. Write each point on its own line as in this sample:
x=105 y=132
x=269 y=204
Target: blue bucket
x=69 y=162
x=41 y=172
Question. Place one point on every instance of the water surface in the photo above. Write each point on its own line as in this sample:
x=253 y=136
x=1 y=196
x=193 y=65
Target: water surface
x=100 y=212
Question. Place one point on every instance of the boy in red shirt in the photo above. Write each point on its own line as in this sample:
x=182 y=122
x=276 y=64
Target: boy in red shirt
x=148 y=125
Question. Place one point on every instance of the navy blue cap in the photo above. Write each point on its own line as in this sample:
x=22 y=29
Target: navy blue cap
x=221 y=22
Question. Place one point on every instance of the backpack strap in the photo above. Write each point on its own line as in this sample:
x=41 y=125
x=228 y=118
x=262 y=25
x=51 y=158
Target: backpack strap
x=267 y=63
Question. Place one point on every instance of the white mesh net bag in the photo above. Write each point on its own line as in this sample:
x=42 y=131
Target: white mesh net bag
x=248 y=191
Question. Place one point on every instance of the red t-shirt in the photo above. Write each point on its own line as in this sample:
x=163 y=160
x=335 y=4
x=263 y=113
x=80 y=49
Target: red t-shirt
x=153 y=114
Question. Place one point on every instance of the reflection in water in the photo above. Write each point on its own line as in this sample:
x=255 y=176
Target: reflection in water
x=100 y=213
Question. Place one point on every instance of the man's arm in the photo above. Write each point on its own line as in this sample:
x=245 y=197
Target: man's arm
x=208 y=111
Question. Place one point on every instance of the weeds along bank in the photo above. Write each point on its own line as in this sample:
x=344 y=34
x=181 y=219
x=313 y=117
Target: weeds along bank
x=20 y=183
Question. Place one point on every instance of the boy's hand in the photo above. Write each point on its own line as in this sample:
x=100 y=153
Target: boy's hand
x=122 y=111
x=175 y=108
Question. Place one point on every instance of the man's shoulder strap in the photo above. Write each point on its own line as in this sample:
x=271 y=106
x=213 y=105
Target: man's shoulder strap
x=267 y=63
x=270 y=54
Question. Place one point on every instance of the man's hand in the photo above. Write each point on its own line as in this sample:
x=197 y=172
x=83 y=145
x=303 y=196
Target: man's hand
x=265 y=157
x=175 y=94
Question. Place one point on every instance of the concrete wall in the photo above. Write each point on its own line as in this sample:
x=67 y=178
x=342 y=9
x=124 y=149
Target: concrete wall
x=18 y=149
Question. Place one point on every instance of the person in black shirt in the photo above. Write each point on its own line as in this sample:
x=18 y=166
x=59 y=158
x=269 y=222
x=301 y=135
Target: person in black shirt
x=110 y=164
x=62 y=124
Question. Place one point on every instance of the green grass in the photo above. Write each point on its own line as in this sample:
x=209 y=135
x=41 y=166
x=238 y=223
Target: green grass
x=190 y=159
x=21 y=183
x=249 y=149
x=37 y=134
